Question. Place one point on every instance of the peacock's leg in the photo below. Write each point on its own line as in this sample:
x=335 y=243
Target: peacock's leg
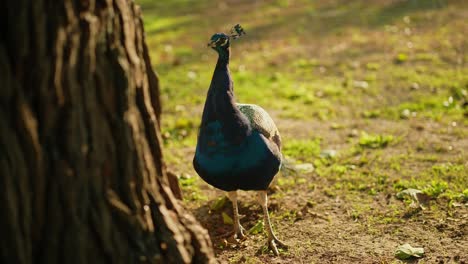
x=238 y=229
x=272 y=239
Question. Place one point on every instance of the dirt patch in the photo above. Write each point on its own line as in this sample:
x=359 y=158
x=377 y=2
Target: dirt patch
x=350 y=226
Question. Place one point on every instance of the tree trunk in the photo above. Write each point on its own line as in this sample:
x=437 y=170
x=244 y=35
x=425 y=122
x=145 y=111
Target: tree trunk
x=81 y=173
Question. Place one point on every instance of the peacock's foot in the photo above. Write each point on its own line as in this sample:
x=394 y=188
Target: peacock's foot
x=272 y=241
x=239 y=233
x=236 y=236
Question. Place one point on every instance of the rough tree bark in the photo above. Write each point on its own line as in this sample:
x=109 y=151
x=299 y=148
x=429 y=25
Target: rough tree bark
x=81 y=174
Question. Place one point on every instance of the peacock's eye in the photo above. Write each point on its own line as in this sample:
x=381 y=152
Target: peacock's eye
x=223 y=41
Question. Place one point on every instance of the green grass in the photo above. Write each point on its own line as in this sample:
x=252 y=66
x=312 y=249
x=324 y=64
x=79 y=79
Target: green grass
x=302 y=149
x=375 y=141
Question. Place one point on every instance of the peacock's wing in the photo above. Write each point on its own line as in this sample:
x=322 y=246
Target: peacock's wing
x=261 y=121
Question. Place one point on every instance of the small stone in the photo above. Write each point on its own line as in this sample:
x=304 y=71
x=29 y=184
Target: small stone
x=168 y=48
x=179 y=108
x=361 y=84
x=328 y=153
x=405 y=113
x=353 y=133
x=191 y=75
x=414 y=86
x=185 y=176
x=406 y=19
x=407 y=31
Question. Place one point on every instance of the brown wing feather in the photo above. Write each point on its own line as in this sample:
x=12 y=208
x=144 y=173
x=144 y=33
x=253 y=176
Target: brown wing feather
x=261 y=121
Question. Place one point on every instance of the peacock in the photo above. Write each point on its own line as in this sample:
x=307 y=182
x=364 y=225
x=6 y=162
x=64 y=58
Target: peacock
x=238 y=145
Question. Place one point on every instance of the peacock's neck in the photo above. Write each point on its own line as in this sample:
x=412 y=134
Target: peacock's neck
x=220 y=104
x=221 y=94
x=223 y=57
x=222 y=82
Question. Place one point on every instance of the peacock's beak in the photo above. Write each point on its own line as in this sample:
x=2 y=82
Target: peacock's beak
x=212 y=44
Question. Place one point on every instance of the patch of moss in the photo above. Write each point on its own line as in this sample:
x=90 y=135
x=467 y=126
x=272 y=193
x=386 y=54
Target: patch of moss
x=302 y=149
x=375 y=141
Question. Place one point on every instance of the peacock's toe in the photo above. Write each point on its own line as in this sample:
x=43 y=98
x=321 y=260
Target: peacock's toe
x=239 y=233
x=272 y=244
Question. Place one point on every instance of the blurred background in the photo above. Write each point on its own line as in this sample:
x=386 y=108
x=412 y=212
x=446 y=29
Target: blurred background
x=327 y=62
x=372 y=90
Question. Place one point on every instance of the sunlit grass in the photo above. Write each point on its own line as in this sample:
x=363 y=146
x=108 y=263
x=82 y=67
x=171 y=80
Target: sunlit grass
x=312 y=61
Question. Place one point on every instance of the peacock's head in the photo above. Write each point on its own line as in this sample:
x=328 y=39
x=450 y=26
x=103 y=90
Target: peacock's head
x=221 y=41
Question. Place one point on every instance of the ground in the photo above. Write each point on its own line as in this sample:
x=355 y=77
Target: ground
x=373 y=94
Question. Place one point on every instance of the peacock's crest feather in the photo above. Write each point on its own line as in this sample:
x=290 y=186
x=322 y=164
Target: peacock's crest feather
x=223 y=40
x=237 y=31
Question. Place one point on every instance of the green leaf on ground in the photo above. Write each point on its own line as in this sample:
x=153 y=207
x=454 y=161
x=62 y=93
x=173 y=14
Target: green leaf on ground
x=227 y=219
x=219 y=203
x=400 y=58
x=257 y=228
x=406 y=251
